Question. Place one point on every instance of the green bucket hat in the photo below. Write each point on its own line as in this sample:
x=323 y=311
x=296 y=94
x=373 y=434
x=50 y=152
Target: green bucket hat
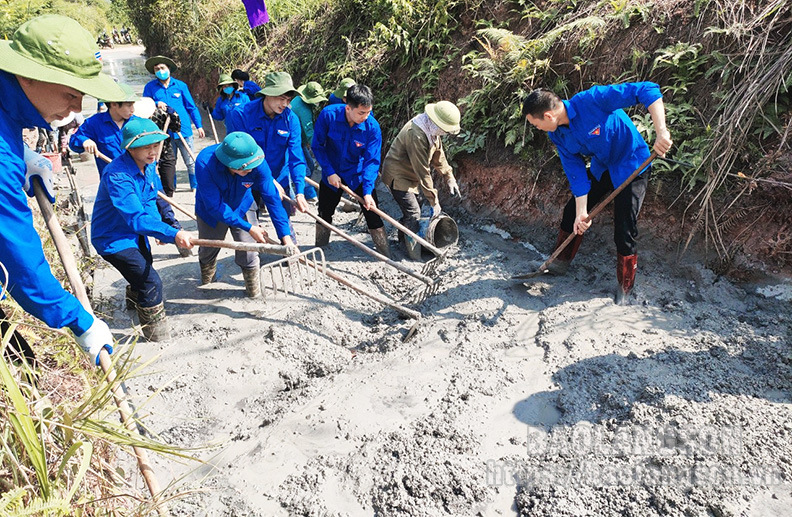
x=312 y=93
x=156 y=60
x=225 y=79
x=140 y=132
x=277 y=83
x=128 y=95
x=239 y=151
x=446 y=115
x=343 y=86
x=56 y=49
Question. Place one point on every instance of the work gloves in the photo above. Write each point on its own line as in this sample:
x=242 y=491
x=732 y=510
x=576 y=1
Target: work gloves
x=39 y=169
x=453 y=187
x=93 y=340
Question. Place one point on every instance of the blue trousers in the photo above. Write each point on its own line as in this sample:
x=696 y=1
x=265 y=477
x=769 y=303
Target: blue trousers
x=137 y=267
x=179 y=146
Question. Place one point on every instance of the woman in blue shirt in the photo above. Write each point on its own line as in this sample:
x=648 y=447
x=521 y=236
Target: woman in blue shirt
x=125 y=214
x=230 y=97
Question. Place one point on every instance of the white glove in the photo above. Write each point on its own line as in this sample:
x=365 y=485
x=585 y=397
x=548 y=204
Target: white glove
x=453 y=188
x=436 y=210
x=40 y=168
x=93 y=340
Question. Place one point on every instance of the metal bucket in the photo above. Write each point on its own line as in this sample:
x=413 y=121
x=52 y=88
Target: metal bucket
x=440 y=231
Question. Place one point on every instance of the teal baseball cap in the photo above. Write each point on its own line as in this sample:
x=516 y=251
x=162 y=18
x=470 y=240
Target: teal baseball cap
x=239 y=151
x=140 y=132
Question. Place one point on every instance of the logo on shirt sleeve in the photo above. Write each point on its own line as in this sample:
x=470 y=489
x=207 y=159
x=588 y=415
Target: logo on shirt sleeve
x=359 y=144
x=283 y=132
x=595 y=131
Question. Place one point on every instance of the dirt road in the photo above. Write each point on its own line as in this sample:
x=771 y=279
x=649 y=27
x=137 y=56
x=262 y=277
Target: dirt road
x=540 y=400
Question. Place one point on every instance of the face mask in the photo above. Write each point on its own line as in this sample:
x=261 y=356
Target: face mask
x=162 y=75
x=228 y=90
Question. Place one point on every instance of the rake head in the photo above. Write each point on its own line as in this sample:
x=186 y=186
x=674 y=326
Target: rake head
x=294 y=274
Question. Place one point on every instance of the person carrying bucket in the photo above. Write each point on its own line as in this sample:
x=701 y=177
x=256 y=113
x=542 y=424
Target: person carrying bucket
x=45 y=69
x=229 y=173
x=229 y=98
x=407 y=167
x=124 y=216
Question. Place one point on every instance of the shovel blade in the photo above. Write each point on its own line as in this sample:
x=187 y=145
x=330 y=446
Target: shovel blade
x=527 y=276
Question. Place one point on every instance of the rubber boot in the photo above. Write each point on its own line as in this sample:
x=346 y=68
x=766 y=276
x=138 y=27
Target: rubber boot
x=154 y=323
x=208 y=272
x=413 y=248
x=252 y=283
x=380 y=239
x=322 y=235
x=130 y=299
x=626 y=267
x=560 y=265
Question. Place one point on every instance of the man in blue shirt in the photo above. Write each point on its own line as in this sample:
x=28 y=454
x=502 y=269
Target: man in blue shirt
x=229 y=98
x=228 y=174
x=168 y=91
x=305 y=106
x=339 y=94
x=44 y=70
x=124 y=216
x=242 y=78
x=593 y=124
x=347 y=143
x=102 y=131
x=276 y=129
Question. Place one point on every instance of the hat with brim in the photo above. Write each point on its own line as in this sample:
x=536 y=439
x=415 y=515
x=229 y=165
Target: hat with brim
x=224 y=80
x=56 y=49
x=276 y=84
x=239 y=151
x=446 y=115
x=145 y=107
x=129 y=95
x=312 y=93
x=158 y=60
x=343 y=86
x=140 y=132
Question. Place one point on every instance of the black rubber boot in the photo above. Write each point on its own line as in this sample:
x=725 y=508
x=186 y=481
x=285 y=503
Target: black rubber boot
x=130 y=299
x=154 y=323
x=208 y=272
x=252 y=282
x=380 y=239
x=322 y=235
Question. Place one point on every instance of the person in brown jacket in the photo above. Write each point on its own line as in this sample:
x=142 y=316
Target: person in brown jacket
x=407 y=166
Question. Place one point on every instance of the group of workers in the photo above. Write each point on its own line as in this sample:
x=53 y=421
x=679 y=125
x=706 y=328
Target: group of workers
x=277 y=136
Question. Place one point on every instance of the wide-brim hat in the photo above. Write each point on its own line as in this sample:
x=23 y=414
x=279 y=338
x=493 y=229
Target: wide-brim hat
x=276 y=84
x=343 y=86
x=446 y=115
x=225 y=79
x=128 y=95
x=56 y=49
x=239 y=151
x=156 y=60
x=145 y=107
x=140 y=132
x=312 y=93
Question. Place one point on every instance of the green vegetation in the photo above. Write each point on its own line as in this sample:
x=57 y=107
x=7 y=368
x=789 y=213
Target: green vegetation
x=94 y=15
x=725 y=68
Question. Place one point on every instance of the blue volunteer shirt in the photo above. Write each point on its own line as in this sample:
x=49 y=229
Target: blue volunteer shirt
x=279 y=137
x=30 y=280
x=351 y=152
x=178 y=97
x=250 y=88
x=224 y=106
x=126 y=208
x=105 y=132
x=600 y=129
x=225 y=197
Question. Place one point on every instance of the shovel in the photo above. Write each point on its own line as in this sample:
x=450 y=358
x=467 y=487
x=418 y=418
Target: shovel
x=597 y=209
